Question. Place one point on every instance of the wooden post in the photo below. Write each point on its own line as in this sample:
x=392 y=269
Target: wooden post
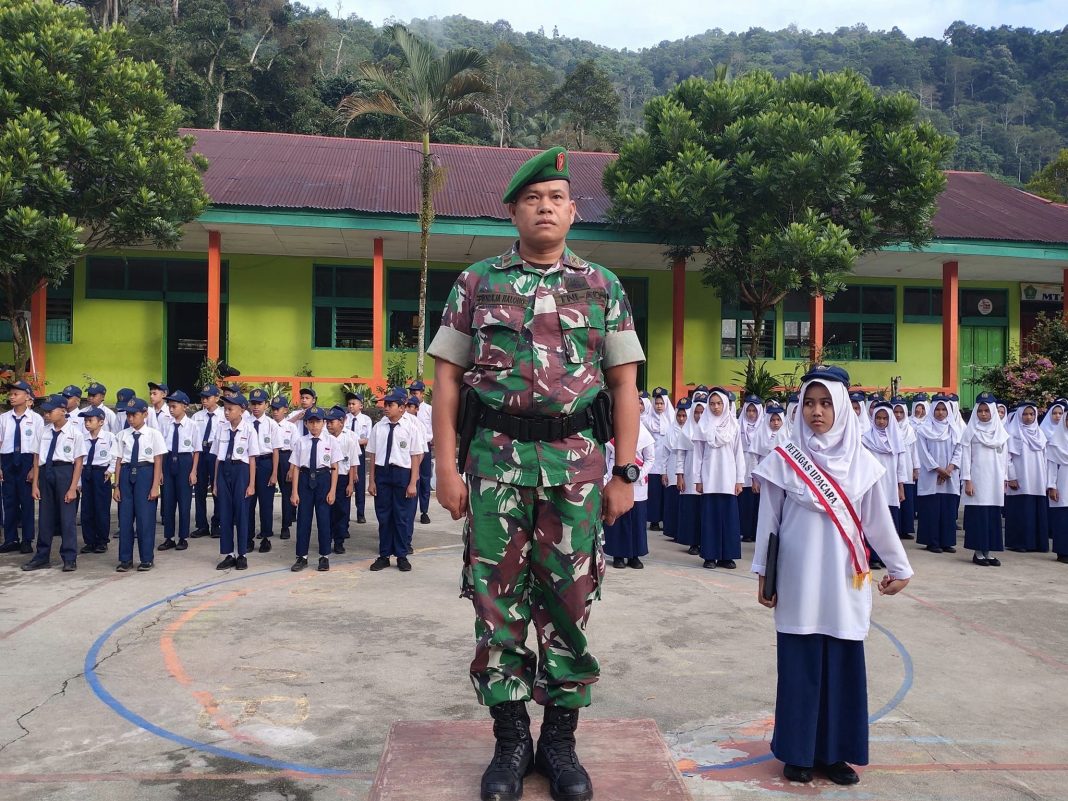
x=214 y=294
x=38 y=333
x=378 y=305
x=815 y=328
x=950 y=327
x=678 y=327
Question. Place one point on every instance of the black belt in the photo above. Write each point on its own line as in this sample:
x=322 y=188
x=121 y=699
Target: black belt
x=317 y=470
x=264 y=456
x=99 y=467
x=538 y=428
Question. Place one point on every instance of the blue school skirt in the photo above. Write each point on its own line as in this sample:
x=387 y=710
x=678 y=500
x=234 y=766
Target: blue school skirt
x=1058 y=529
x=907 y=518
x=721 y=533
x=937 y=519
x=1027 y=523
x=627 y=537
x=655 y=504
x=748 y=506
x=688 y=531
x=982 y=529
x=671 y=510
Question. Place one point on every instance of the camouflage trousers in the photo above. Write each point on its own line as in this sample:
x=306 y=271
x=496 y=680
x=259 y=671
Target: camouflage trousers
x=533 y=555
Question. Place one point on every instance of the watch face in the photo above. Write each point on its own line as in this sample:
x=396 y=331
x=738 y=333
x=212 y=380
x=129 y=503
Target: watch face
x=632 y=473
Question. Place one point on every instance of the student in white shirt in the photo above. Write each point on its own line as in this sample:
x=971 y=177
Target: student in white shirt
x=676 y=444
x=72 y=398
x=97 y=471
x=750 y=422
x=347 y=473
x=823 y=591
x=266 y=469
x=236 y=448
x=721 y=472
x=20 y=434
x=627 y=540
x=906 y=529
x=57 y=469
x=95 y=394
x=984 y=464
x=938 y=487
x=424 y=413
x=658 y=423
x=159 y=416
x=138 y=475
x=360 y=425
x=179 y=471
x=396 y=447
x=1026 y=502
x=688 y=477
x=313 y=471
x=209 y=419
x=883 y=441
x=1057 y=487
x=288 y=434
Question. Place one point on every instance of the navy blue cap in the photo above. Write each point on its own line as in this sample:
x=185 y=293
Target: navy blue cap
x=416 y=386
x=882 y=405
x=50 y=402
x=123 y=395
x=258 y=396
x=775 y=409
x=827 y=372
x=209 y=391
x=178 y=397
x=699 y=396
x=314 y=413
x=857 y=397
x=793 y=397
x=161 y=387
x=335 y=413
x=644 y=394
x=953 y=396
x=683 y=404
x=396 y=396
x=939 y=396
x=309 y=391
x=875 y=396
x=412 y=401
x=232 y=387
x=754 y=399
x=20 y=385
x=897 y=399
x=1025 y=403
x=237 y=400
x=920 y=396
x=133 y=404
x=93 y=411
x=71 y=391
x=96 y=389
x=722 y=390
x=354 y=396
x=281 y=402
x=986 y=397
x=659 y=392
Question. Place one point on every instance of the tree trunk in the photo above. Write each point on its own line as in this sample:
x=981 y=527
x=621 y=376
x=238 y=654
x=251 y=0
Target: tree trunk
x=426 y=217
x=219 y=101
x=758 y=332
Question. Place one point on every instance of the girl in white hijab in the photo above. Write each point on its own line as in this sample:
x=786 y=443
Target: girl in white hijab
x=677 y=445
x=658 y=423
x=822 y=610
x=920 y=410
x=984 y=464
x=883 y=441
x=938 y=487
x=1057 y=468
x=859 y=402
x=1052 y=418
x=1026 y=503
x=721 y=476
x=907 y=513
x=751 y=421
x=688 y=479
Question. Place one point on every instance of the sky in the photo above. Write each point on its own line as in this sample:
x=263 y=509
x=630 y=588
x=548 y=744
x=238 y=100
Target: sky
x=642 y=23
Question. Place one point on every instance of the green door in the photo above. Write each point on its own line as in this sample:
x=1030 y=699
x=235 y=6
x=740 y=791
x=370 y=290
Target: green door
x=980 y=347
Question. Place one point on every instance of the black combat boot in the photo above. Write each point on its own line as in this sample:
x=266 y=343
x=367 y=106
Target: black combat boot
x=513 y=756
x=556 y=757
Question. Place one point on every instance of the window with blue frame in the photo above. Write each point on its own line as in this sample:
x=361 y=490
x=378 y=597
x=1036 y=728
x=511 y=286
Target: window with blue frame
x=59 y=314
x=139 y=278
x=736 y=333
x=860 y=324
x=343 y=314
x=402 y=304
x=796 y=325
x=922 y=305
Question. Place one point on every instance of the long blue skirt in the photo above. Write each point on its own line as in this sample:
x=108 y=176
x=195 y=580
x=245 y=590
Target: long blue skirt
x=627 y=537
x=821 y=705
x=655 y=504
x=689 y=529
x=671 y=511
x=982 y=529
x=937 y=519
x=748 y=506
x=1027 y=523
x=907 y=518
x=1058 y=529
x=721 y=533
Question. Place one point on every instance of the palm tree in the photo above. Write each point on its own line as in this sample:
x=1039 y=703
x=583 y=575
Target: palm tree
x=428 y=91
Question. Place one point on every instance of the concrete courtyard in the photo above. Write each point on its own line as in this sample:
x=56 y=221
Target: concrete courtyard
x=188 y=683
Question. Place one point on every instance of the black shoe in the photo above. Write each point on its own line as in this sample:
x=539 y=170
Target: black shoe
x=300 y=564
x=555 y=756
x=748 y=539
x=166 y=545
x=144 y=567
x=693 y=550
x=1062 y=558
x=35 y=564
x=945 y=549
x=198 y=533
x=876 y=564
x=26 y=547
x=796 y=773
x=424 y=518
x=710 y=564
x=905 y=537
x=10 y=547
x=87 y=549
x=993 y=561
x=726 y=563
x=619 y=562
x=635 y=562
x=324 y=564
x=513 y=754
x=933 y=549
x=339 y=547
x=215 y=534
x=840 y=773
x=241 y=563
x=381 y=563
x=284 y=534
x=982 y=561
x=1018 y=550
x=361 y=519
x=226 y=563
x=181 y=546
x=265 y=545
x=123 y=567
x=654 y=527
x=403 y=565
x=100 y=549
x=70 y=567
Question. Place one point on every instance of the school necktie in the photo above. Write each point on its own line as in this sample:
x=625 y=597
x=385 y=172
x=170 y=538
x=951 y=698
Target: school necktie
x=352 y=425
x=52 y=447
x=135 y=451
x=314 y=453
x=16 y=443
x=174 y=440
x=256 y=424
x=207 y=431
x=92 y=452
x=230 y=446
x=389 y=443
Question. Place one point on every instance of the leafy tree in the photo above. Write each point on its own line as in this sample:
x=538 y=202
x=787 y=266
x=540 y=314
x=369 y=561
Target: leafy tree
x=430 y=90
x=1052 y=180
x=589 y=101
x=90 y=155
x=780 y=184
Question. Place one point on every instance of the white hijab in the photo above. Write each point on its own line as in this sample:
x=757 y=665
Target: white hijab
x=938 y=430
x=908 y=433
x=955 y=418
x=694 y=429
x=915 y=421
x=750 y=430
x=1025 y=436
x=676 y=434
x=991 y=434
x=883 y=440
x=1057 y=444
x=659 y=424
x=766 y=440
x=1047 y=425
x=862 y=419
x=721 y=430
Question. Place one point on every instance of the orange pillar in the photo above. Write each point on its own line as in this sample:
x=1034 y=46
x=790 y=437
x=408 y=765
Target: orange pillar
x=378 y=305
x=214 y=293
x=1064 y=295
x=950 y=327
x=815 y=330
x=678 y=327
x=38 y=327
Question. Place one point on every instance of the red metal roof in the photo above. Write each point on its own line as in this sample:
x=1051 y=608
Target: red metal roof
x=294 y=171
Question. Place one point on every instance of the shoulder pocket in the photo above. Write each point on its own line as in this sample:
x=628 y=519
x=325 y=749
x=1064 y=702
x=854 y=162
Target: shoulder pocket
x=495 y=335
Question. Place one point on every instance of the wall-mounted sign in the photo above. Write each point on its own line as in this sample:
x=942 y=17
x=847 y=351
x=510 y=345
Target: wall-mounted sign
x=1041 y=293
x=986 y=305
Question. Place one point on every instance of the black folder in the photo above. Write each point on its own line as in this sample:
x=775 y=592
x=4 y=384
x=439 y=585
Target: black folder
x=771 y=567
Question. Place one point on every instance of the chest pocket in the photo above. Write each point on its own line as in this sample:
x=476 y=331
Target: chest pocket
x=495 y=335
x=582 y=326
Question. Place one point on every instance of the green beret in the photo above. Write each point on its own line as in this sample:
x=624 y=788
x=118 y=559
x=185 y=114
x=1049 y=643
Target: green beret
x=548 y=166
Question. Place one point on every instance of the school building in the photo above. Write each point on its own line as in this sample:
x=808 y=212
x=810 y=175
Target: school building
x=307 y=261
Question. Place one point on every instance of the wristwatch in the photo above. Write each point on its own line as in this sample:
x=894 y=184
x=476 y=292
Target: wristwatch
x=627 y=472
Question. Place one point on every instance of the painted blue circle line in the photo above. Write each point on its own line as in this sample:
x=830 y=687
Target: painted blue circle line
x=93 y=655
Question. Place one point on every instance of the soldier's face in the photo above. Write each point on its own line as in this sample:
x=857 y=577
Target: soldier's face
x=543 y=213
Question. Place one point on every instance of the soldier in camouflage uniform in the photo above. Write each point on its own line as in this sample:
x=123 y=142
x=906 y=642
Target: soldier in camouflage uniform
x=537 y=331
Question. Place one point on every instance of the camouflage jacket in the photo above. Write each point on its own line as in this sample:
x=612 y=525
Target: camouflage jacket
x=535 y=341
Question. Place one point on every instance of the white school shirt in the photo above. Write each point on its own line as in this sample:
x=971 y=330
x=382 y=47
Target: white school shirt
x=359 y=424
x=933 y=455
x=270 y=436
x=32 y=426
x=160 y=420
x=288 y=434
x=986 y=468
x=424 y=413
x=719 y=469
x=206 y=438
x=350 y=452
x=1057 y=478
x=188 y=435
x=70 y=444
x=407 y=441
x=815 y=572
x=104 y=454
x=327 y=454
x=1028 y=468
x=76 y=418
x=150 y=445
x=246 y=443
x=894 y=465
x=644 y=456
x=109 y=416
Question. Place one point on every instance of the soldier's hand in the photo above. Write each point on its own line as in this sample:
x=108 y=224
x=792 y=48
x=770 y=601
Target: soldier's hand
x=616 y=500
x=452 y=493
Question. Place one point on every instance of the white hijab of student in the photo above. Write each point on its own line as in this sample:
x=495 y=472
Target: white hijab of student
x=1047 y=425
x=915 y=421
x=722 y=429
x=862 y=416
x=883 y=440
x=904 y=427
x=991 y=434
x=1024 y=435
x=766 y=440
x=750 y=429
x=1057 y=443
x=937 y=430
